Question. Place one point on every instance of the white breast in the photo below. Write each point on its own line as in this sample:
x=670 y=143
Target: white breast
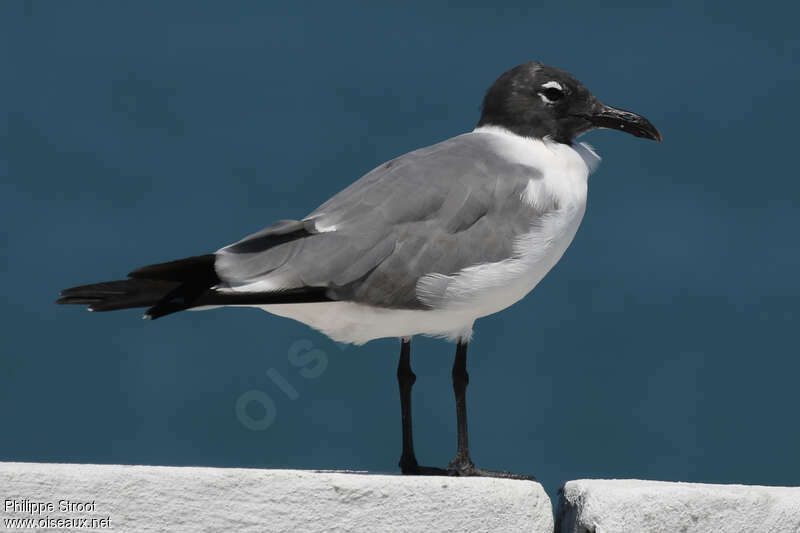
x=482 y=289
x=490 y=287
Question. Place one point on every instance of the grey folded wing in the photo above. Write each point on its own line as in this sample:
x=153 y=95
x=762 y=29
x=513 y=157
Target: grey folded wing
x=436 y=210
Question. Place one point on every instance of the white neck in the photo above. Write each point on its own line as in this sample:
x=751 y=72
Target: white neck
x=535 y=152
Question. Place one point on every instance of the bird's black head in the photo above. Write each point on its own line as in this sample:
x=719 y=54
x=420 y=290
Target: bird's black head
x=535 y=100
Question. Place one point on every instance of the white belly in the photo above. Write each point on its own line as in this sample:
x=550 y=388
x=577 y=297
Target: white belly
x=356 y=323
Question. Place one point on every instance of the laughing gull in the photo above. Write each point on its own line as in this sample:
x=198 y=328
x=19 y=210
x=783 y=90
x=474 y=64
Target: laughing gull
x=424 y=244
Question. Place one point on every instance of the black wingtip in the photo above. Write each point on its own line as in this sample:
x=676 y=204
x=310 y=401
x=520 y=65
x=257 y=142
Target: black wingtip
x=71 y=300
x=195 y=269
x=113 y=295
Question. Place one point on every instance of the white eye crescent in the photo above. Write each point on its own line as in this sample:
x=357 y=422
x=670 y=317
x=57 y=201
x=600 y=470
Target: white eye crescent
x=551 y=92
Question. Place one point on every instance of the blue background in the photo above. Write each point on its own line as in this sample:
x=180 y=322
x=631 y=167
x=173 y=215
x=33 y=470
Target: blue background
x=662 y=346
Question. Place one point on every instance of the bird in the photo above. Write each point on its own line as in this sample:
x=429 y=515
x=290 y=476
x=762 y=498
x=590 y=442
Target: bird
x=424 y=244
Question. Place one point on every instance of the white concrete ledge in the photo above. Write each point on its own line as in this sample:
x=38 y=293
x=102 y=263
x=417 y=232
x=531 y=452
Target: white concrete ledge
x=150 y=498
x=620 y=506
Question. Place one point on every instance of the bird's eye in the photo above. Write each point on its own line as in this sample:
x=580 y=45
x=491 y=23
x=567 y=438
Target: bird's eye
x=551 y=94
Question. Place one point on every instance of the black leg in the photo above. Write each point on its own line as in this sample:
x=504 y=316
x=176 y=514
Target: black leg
x=462 y=465
x=461 y=462
x=405 y=379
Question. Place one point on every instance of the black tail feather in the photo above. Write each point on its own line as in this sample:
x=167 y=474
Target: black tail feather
x=167 y=288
